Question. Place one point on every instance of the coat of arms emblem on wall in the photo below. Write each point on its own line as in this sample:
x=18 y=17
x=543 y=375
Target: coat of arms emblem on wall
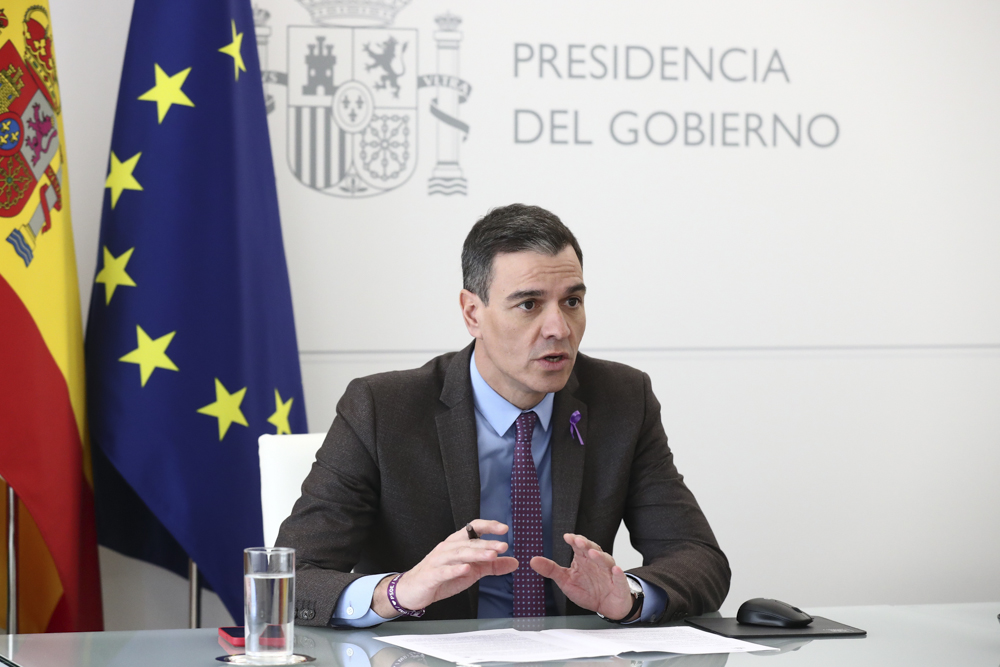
x=352 y=90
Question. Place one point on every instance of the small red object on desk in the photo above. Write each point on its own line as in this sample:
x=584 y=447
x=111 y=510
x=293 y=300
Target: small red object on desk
x=233 y=636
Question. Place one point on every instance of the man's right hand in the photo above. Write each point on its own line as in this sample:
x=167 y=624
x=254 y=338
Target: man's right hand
x=450 y=568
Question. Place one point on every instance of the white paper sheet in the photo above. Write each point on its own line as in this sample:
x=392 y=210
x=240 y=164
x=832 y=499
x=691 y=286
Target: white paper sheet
x=489 y=646
x=515 y=646
x=682 y=639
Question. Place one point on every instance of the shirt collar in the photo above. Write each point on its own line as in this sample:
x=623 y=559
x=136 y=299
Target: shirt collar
x=497 y=410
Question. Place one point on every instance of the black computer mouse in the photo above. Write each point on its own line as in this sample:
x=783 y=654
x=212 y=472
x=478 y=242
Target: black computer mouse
x=775 y=613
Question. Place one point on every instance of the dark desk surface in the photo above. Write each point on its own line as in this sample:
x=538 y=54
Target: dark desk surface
x=959 y=634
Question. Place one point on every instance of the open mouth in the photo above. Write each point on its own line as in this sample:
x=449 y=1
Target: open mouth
x=554 y=358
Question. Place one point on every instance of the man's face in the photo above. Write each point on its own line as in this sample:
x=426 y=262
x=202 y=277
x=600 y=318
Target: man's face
x=528 y=335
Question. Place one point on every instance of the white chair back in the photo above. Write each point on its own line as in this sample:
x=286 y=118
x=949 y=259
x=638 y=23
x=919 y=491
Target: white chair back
x=285 y=460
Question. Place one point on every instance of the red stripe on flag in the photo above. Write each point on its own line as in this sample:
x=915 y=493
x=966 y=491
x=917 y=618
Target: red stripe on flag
x=42 y=458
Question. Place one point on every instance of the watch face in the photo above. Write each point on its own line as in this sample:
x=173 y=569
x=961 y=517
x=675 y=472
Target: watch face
x=634 y=586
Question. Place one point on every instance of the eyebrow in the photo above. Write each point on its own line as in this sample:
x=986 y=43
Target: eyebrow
x=525 y=294
x=536 y=293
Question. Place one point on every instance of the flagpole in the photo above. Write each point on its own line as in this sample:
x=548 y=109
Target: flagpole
x=194 y=596
x=11 y=561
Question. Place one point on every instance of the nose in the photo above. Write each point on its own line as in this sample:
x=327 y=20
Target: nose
x=554 y=324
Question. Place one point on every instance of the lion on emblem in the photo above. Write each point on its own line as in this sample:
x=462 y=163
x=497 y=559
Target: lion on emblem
x=384 y=61
x=44 y=129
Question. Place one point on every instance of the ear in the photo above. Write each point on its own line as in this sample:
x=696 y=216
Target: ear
x=472 y=307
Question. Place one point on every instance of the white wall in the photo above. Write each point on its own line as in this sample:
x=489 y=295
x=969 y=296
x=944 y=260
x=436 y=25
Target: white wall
x=819 y=324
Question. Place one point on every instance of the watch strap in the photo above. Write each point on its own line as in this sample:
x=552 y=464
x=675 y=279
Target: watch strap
x=637 y=598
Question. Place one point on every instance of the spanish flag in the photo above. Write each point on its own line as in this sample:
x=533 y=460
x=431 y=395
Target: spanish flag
x=43 y=428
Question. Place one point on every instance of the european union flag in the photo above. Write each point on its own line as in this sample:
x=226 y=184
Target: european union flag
x=191 y=351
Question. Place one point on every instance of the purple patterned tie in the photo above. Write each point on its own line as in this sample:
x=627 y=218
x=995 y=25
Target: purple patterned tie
x=526 y=506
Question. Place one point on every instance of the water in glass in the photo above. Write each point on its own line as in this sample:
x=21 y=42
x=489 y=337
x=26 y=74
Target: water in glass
x=270 y=612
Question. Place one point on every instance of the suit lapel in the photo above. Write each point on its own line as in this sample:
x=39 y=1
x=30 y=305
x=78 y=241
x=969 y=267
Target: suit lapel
x=567 y=469
x=456 y=425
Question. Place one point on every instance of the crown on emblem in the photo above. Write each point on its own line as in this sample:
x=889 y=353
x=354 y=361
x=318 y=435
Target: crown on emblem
x=354 y=12
x=260 y=15
x=448 y=21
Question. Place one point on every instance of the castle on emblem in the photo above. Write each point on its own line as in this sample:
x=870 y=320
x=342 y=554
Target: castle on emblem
x=319 y=63
x=10 y=86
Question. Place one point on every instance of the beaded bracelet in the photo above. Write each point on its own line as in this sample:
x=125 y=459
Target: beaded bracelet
x=395 y=603
x=412 y=656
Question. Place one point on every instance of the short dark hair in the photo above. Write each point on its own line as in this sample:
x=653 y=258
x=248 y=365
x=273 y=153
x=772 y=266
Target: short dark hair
x=512 y=228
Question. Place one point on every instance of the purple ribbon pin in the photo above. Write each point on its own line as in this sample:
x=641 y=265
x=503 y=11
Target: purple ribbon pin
x=574 y=430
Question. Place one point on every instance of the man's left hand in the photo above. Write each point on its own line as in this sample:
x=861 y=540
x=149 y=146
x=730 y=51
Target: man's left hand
x=592 y=580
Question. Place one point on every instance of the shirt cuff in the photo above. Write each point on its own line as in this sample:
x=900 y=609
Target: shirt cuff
x=354 y=607
x=654 y=601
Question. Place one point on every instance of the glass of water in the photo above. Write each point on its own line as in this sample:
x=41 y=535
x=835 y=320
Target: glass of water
x=269 y=603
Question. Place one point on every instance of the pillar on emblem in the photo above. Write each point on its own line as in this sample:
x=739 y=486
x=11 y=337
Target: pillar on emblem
x=447 y=176
x=263 y=34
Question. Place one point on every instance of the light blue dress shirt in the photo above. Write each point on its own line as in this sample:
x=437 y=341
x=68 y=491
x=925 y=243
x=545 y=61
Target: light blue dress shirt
x=496 y=435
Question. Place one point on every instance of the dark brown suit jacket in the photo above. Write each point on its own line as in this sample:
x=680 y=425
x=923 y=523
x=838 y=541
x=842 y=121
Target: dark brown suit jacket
x=399 y=472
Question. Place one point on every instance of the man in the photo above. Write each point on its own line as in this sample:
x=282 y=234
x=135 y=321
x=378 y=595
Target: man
x=409 y=506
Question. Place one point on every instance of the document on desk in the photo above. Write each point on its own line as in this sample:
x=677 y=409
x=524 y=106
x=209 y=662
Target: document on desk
x=470 y=648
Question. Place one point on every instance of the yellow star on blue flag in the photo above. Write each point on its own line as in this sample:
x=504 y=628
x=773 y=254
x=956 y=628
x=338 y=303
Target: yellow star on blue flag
x=233 y=50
